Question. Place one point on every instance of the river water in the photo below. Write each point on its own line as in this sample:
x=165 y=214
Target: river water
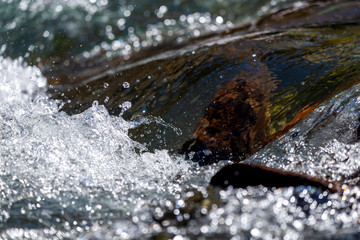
x=81 y=175
x=39 y=29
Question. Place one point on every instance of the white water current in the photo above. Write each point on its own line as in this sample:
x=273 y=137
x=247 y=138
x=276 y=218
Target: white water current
x=46 y=154
x=81 y=176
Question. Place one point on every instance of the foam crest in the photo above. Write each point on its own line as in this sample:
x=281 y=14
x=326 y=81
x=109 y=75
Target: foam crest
x=48 y=151
x=19 y=91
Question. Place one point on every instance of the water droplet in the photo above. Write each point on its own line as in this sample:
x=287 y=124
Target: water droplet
x=219 y=20
x=127 y=13
x=46 y=34
x=126 y=85
x=124 y=107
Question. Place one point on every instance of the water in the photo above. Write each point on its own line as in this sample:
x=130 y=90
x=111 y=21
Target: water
x=58 y=169
x=302 y=66
x=39 y=30
x=327 y=139
x=82 y=176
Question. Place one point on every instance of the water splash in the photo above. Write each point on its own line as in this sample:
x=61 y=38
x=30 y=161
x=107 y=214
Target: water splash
x=81 y=175
x=58 y=169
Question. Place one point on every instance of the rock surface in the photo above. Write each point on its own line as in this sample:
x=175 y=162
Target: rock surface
x=289 y=62
x=237 y=122
x=245 y=175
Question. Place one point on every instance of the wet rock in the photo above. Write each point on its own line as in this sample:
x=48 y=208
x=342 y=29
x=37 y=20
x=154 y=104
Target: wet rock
x=244 y=175
x=186 y=85
x=226 y=132
x=325 y=145
x=236 y=123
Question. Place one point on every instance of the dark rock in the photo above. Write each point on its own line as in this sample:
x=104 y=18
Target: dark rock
x=244 y=175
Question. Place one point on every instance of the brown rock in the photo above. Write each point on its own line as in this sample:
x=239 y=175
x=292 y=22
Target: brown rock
x=236 y=123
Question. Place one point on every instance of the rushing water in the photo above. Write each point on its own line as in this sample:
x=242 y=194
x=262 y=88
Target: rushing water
x=72 y=171
x=64 y=176
x=81 y=176
x=41 y=29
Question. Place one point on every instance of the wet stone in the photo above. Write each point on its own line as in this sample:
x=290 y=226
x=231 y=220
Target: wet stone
x=244 y=175
x=237 y=122
x=287 y=71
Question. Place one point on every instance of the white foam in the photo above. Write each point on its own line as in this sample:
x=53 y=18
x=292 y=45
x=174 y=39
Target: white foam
x=50 y=151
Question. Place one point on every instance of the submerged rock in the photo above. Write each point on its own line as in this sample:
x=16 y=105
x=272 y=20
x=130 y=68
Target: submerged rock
x=237 y=122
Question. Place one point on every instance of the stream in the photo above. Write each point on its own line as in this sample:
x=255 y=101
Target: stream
x=97 y=98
